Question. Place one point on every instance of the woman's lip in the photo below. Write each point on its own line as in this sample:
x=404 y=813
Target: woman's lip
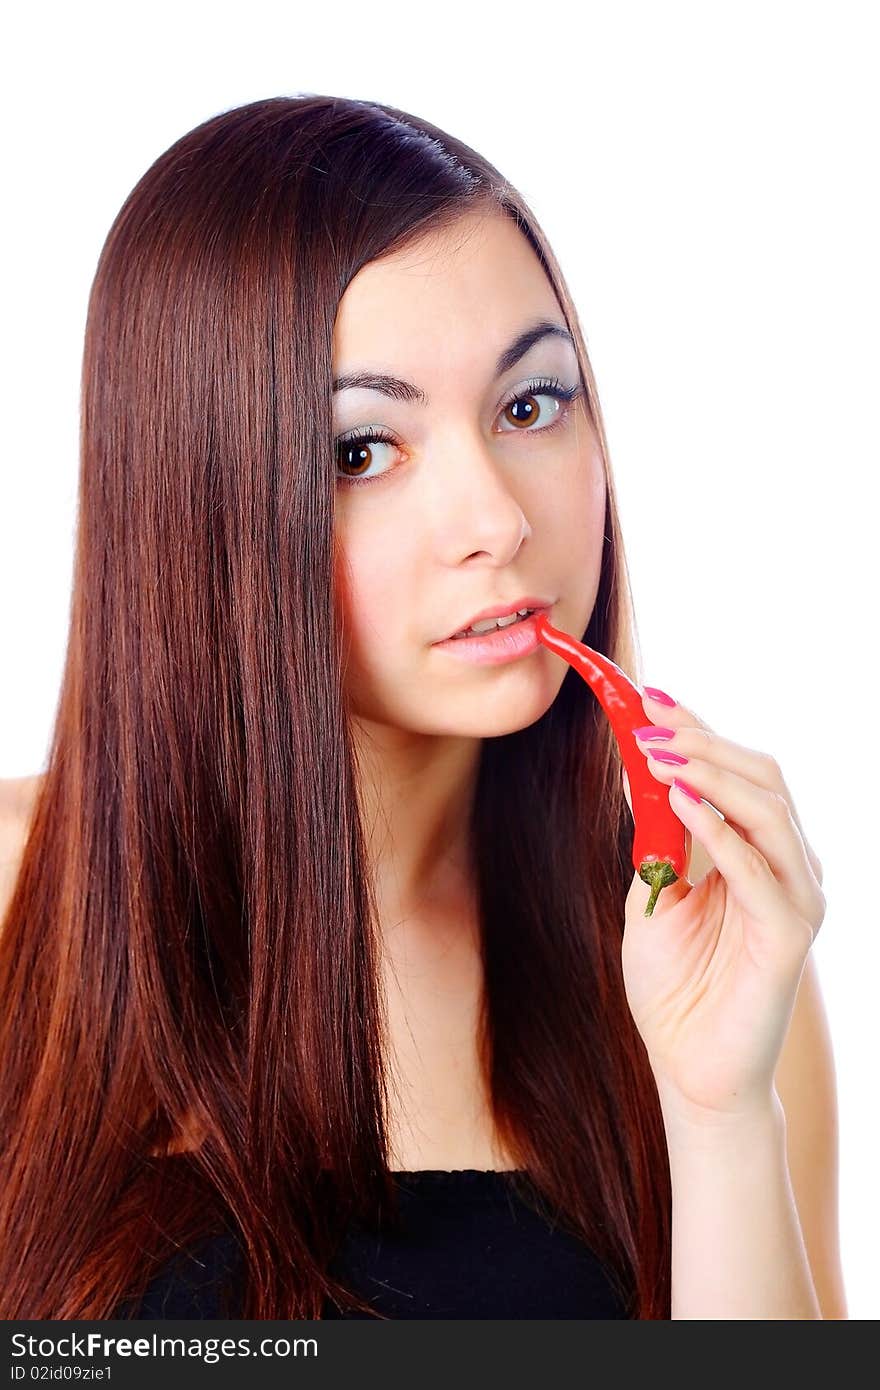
x=533 y=601
x=535 y=605
x=498 y=647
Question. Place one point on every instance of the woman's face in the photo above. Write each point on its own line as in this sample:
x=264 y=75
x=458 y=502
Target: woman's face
x=475 y=502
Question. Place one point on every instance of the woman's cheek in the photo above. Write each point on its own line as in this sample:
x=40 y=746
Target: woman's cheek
x=377 y=600
x=584 y=540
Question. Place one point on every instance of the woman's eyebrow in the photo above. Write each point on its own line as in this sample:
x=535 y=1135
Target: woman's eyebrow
x=400 y=390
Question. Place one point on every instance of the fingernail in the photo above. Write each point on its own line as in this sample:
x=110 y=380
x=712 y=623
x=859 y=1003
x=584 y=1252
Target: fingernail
x=686 y=790
x=660 y=756
x=652 y=731
x=659 y=695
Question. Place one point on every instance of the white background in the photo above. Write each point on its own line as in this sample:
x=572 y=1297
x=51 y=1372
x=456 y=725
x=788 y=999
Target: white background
x=707 y=175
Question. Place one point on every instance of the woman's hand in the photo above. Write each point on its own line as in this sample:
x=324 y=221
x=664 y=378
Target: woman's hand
x=712 y=976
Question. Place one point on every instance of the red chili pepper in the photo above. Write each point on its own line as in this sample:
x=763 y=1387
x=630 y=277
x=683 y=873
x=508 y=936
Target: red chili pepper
x=659 y=848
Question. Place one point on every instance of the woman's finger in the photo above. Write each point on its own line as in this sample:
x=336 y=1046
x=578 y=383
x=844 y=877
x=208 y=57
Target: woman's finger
x=763 y=817
x=757 y=767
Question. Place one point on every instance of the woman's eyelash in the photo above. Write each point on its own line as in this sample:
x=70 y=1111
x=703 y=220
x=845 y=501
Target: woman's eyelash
x=550 y=386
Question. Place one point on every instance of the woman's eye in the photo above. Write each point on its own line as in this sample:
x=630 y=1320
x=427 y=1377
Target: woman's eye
x=356 y=453
x=523 y=410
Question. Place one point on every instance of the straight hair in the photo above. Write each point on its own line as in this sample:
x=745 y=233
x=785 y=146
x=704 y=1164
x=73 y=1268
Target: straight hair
x=192 y=1033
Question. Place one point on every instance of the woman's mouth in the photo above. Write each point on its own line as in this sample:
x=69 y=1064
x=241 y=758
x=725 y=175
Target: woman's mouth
x=503 y=639
x=489 y=625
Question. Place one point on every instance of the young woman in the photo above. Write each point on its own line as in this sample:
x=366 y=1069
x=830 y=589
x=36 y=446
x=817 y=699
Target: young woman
x=327 y=989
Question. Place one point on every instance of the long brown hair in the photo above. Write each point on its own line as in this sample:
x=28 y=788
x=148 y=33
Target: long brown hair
x=191 y=944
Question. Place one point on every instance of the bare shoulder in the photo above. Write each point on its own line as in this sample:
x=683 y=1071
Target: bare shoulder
x=17 y=796
x=806 y=1083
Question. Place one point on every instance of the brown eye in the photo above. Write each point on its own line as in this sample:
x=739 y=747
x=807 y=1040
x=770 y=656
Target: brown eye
x=522 y=410
x=526 y=408
x=354 y=455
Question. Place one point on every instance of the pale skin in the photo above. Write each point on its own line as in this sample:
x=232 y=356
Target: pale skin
x=713 y=980
x=466 y=510
x=470 y=509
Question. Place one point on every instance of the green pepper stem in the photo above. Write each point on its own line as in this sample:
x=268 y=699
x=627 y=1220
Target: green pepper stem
x=657 y=873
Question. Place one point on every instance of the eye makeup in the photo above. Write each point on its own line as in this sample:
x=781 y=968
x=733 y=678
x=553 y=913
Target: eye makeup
x=539 y=386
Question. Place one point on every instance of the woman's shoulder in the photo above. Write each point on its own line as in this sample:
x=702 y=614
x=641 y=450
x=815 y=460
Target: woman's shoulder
x=17 y=797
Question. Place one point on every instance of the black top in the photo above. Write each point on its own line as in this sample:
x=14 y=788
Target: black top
x=469 y=1247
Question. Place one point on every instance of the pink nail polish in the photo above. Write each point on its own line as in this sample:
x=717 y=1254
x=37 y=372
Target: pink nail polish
x=653 y=731
x=660 y=756
x=659 y=695
x=688 y=791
